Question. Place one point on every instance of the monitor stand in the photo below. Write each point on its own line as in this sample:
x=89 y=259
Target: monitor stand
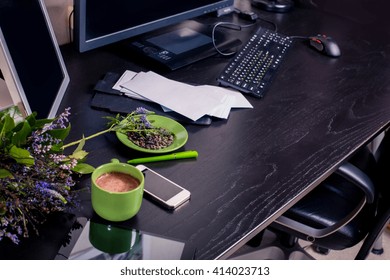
x=276 y=6
x=180 y=45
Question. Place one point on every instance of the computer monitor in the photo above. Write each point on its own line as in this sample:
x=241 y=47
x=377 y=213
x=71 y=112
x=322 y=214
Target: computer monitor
x=102 y=22
x=30 y=59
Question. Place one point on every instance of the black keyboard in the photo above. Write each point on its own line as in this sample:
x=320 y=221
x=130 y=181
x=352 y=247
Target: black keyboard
x=253 y=67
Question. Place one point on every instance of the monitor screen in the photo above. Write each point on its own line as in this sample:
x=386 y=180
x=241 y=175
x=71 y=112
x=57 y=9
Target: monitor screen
x=30 y=59
x=101 y=22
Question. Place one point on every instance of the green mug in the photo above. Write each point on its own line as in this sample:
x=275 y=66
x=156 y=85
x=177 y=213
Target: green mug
x=116 y=206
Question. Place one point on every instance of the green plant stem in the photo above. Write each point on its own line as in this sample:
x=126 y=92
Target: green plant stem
x=116 y=126
x=86 y=138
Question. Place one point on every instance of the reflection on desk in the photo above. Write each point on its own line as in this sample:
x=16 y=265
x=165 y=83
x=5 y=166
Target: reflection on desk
x=99 y=241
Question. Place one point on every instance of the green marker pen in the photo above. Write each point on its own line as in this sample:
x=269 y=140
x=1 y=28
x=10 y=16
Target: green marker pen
x=179 y=155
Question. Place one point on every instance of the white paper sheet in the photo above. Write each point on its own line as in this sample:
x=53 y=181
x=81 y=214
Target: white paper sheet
x=190 y=101
x=127 y=76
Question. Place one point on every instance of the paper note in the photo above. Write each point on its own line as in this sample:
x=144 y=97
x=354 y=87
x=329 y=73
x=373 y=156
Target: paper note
x=127 y=76
x=190 y=101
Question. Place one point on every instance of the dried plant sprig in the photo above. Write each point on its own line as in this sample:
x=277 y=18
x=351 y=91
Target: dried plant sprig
x=134 y=121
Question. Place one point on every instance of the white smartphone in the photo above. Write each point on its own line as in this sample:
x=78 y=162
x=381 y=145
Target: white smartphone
x=163 y=190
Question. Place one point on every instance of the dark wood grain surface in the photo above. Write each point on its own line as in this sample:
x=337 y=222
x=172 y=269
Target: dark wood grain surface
x=255 y=165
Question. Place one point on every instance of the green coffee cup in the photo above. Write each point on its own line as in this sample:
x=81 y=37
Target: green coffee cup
x=116 y=206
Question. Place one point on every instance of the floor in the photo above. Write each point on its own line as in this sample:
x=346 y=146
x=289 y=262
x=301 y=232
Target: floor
x=350 y=253
x=269 y=250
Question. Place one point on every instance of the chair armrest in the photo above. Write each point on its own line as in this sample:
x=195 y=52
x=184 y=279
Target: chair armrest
x=359 y=179
x=353 y=174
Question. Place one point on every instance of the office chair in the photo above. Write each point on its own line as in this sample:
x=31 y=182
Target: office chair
x=382 y=217
x=351 y=205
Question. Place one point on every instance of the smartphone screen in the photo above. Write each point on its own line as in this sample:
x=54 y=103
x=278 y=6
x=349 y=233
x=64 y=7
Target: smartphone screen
x=163 y=190
x=159 y=186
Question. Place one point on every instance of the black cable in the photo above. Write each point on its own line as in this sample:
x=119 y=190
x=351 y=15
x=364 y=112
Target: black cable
x=299 y=37
x=229 y=25
x=250 y=16
x=272 y=23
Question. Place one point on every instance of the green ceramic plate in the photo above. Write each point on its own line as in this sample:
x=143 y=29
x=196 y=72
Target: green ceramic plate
x=180 y=134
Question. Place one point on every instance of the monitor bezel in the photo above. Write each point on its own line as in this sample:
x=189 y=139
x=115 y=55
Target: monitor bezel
x=83 y=44
x=19 y=96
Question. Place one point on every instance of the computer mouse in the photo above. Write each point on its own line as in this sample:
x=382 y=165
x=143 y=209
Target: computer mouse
x=276 y=6
x=325 y=45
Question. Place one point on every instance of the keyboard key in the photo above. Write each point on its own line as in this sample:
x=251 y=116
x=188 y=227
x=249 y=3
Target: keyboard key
x=252 y=69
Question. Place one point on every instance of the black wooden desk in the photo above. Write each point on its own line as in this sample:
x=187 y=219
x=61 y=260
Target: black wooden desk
x=255 y=165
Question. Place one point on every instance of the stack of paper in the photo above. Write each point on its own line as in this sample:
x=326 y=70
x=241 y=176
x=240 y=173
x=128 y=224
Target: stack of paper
x=190 y=101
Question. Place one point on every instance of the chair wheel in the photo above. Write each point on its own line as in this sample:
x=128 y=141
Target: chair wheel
x=377 y=251
x=321 y=250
